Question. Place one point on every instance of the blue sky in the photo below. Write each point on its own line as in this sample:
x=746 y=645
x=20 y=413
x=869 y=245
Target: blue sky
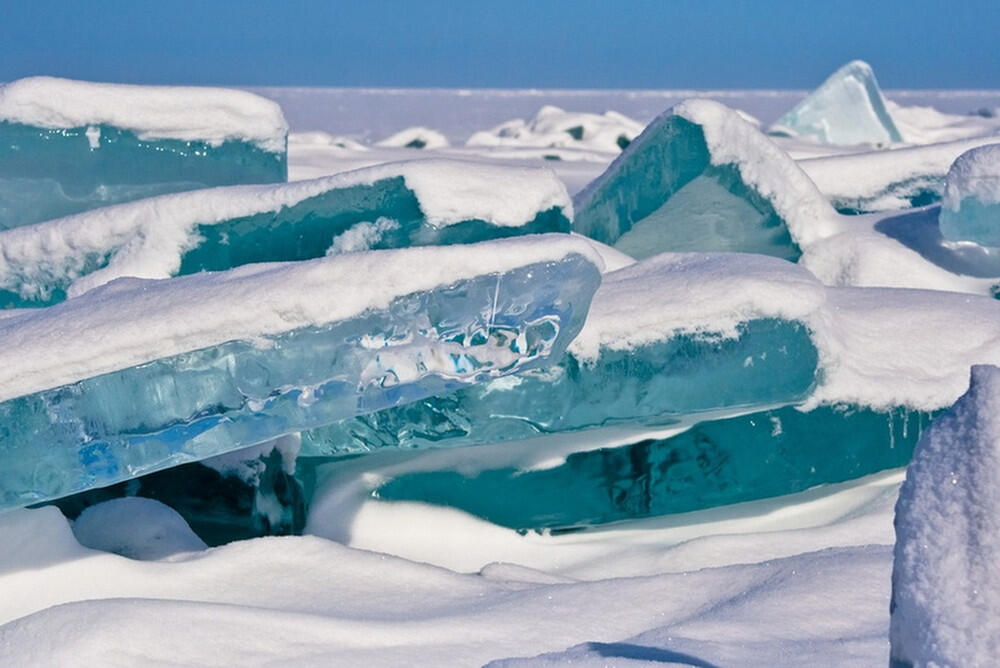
x=509 y=43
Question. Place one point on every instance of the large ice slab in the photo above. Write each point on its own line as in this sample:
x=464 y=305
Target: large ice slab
x=434 y=202
x=69 y=146
x=140 y=375
x=875 y=397
x=945 y=583
x=970 y=209
x=847 y=108
x=702 y=178
x=666 y=338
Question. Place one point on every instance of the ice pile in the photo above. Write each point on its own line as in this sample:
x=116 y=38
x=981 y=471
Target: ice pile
x=970 y=210
x=417 y=137
x=702 y=178
x=68 y=146
x=139 y=375
x=945 y=583
x=553 y=127
x=434 y=202
x=847 y=108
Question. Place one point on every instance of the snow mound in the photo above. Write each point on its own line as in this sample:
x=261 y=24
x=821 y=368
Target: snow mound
x=847 y=108
x=946 y=586
x=137 y=528
x=418 y=137
x=970 y=209
x=553 y=127
x=189 y=113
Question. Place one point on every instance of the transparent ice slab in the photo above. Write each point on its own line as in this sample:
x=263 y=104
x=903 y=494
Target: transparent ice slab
x=701 y=178
x=49 y=173
x=847 y=108
x=769 y=361
x=228 y=227
x=185 y=407
x=715 y=463
x=970 y=209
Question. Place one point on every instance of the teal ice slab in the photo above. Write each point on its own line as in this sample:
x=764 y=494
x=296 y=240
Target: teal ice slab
x=50 y=173
x=770 y=361
x=190 y=406
x=665 y=194
x=715 y=463
x=379 y=215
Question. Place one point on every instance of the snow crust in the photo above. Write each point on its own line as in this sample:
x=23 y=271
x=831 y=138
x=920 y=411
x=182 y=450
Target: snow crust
x=693 y=293
x=847 y=108
x=131 y=321
x=136 y=528
x=553 y=127
x=188 y=113
x=946 y=585
x=149 y=236
x=975 y=174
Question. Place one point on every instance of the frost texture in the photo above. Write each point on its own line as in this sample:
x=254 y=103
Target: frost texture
x=70 y=146
x=418 y=203
x=847 y=108
x=946 y=586
x=161 y=403
x=970 y=209
x=701 y=178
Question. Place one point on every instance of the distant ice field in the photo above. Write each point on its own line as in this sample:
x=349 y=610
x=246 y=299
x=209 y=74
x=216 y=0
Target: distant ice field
x=369 y=114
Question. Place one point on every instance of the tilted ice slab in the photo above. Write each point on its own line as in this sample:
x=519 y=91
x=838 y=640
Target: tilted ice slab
x=668 y=337
x=875 y=397
x=552 y=127
x=847 y=108
x=945 y=583
x=702 y=178
x=141 y=375
x=888 y=180
x=68 y=146
x=433 y=202
x=970 y=210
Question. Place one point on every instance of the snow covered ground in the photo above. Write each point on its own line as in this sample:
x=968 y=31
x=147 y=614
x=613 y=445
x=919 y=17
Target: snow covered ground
x=796 y=580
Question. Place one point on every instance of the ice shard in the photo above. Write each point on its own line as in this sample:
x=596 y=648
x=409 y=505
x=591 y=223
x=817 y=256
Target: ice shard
x=668 y=337
x=945 y=608
x=970 y=209
x=433 y=202
x=140 y=375
x=69 y=146
x=847 y=108
x=701 y=178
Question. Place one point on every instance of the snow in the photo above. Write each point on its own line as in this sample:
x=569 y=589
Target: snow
x=976 y=175
x=131 y=321
x=418 y=137
x=148 y=237
x=693 y=293
x=946 y=589
x=689 y=586
x=875 y=176
x=136 y=528
x=553 y=127
x=188 y=113
x=884 y=348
